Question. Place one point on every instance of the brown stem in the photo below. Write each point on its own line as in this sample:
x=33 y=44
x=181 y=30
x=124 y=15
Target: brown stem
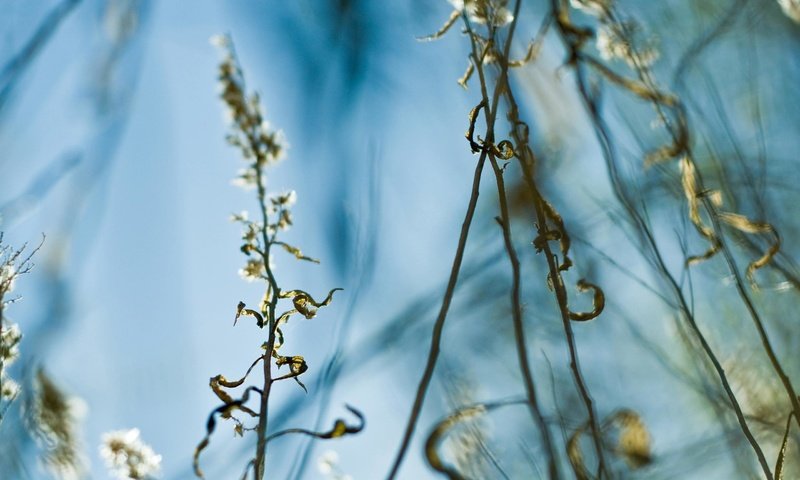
x=565 y=29
x=519 y=328
x=259 y=463
x=438 y=327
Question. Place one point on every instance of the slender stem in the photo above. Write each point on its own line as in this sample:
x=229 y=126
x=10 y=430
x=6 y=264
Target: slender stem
x=519 y=328
x=526 y=162
x=438 y=327
x=501 y=85
x=259 y=466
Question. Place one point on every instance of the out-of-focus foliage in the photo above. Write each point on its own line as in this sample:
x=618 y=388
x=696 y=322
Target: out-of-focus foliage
x=626 y=271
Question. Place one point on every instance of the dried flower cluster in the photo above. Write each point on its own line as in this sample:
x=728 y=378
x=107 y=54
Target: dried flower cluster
x=128 y=457
x=12 y=265
x=9 y=343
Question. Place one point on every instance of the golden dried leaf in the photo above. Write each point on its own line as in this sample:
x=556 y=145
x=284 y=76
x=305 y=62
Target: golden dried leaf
x=449 y=23
x=248 y=312
x=296 y=252
x=467 y=75
x=598 y=302
x=690 y=190
x=633 y=443
x=779 y=464
x=742 y=223
x=575 y=454
x=305 y=303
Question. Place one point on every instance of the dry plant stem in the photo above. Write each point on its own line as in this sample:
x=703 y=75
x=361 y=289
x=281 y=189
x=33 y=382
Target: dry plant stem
x=438 y=327
x=649 y=240
x=519 y=328
x=677 y=133
x=505 y=222
x=762 y=333
x=263 y=412
x=526 y=160
x=567 y=33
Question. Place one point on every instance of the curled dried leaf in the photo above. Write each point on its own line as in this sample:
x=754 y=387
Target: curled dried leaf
x=296 y=252
x=340 y=428
x=217 y=383
x=642 y=91
x=633 y=441
x=535 y=45
x=464 y=79
x=504 y=150
x=676 y=148
x=305 y=303
x=442 y=428
x=779 y=463
x=225 y=412
x=248 y=312
x=560 y=233
x=575 y=454
x=297 y=366
x=216 y=386
x=451 y=20
x=544 y=237
x=598 y=302
x=473 y=118
x=692 y=193
x=744 y=224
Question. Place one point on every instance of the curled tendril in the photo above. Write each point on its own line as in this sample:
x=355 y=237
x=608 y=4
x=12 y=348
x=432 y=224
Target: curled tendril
x=504 y=149
x=305 y=304
x=224 y=411
x=598 y=302
x=473 y=117
x=218 y=382
x=454 y=15
x=340 y=428
x=442 y=428
x=298 y=254
x=693 y=195
x=297 y=366
x=575 y=454
x=744 y=224
x=632 y=442
x=248 y=312
x=559 y=234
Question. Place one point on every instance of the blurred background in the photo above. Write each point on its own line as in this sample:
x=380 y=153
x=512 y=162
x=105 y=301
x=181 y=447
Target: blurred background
x=112 y=145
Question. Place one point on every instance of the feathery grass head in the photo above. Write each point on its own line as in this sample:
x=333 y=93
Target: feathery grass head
x=53 y=418
x=128 y=457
